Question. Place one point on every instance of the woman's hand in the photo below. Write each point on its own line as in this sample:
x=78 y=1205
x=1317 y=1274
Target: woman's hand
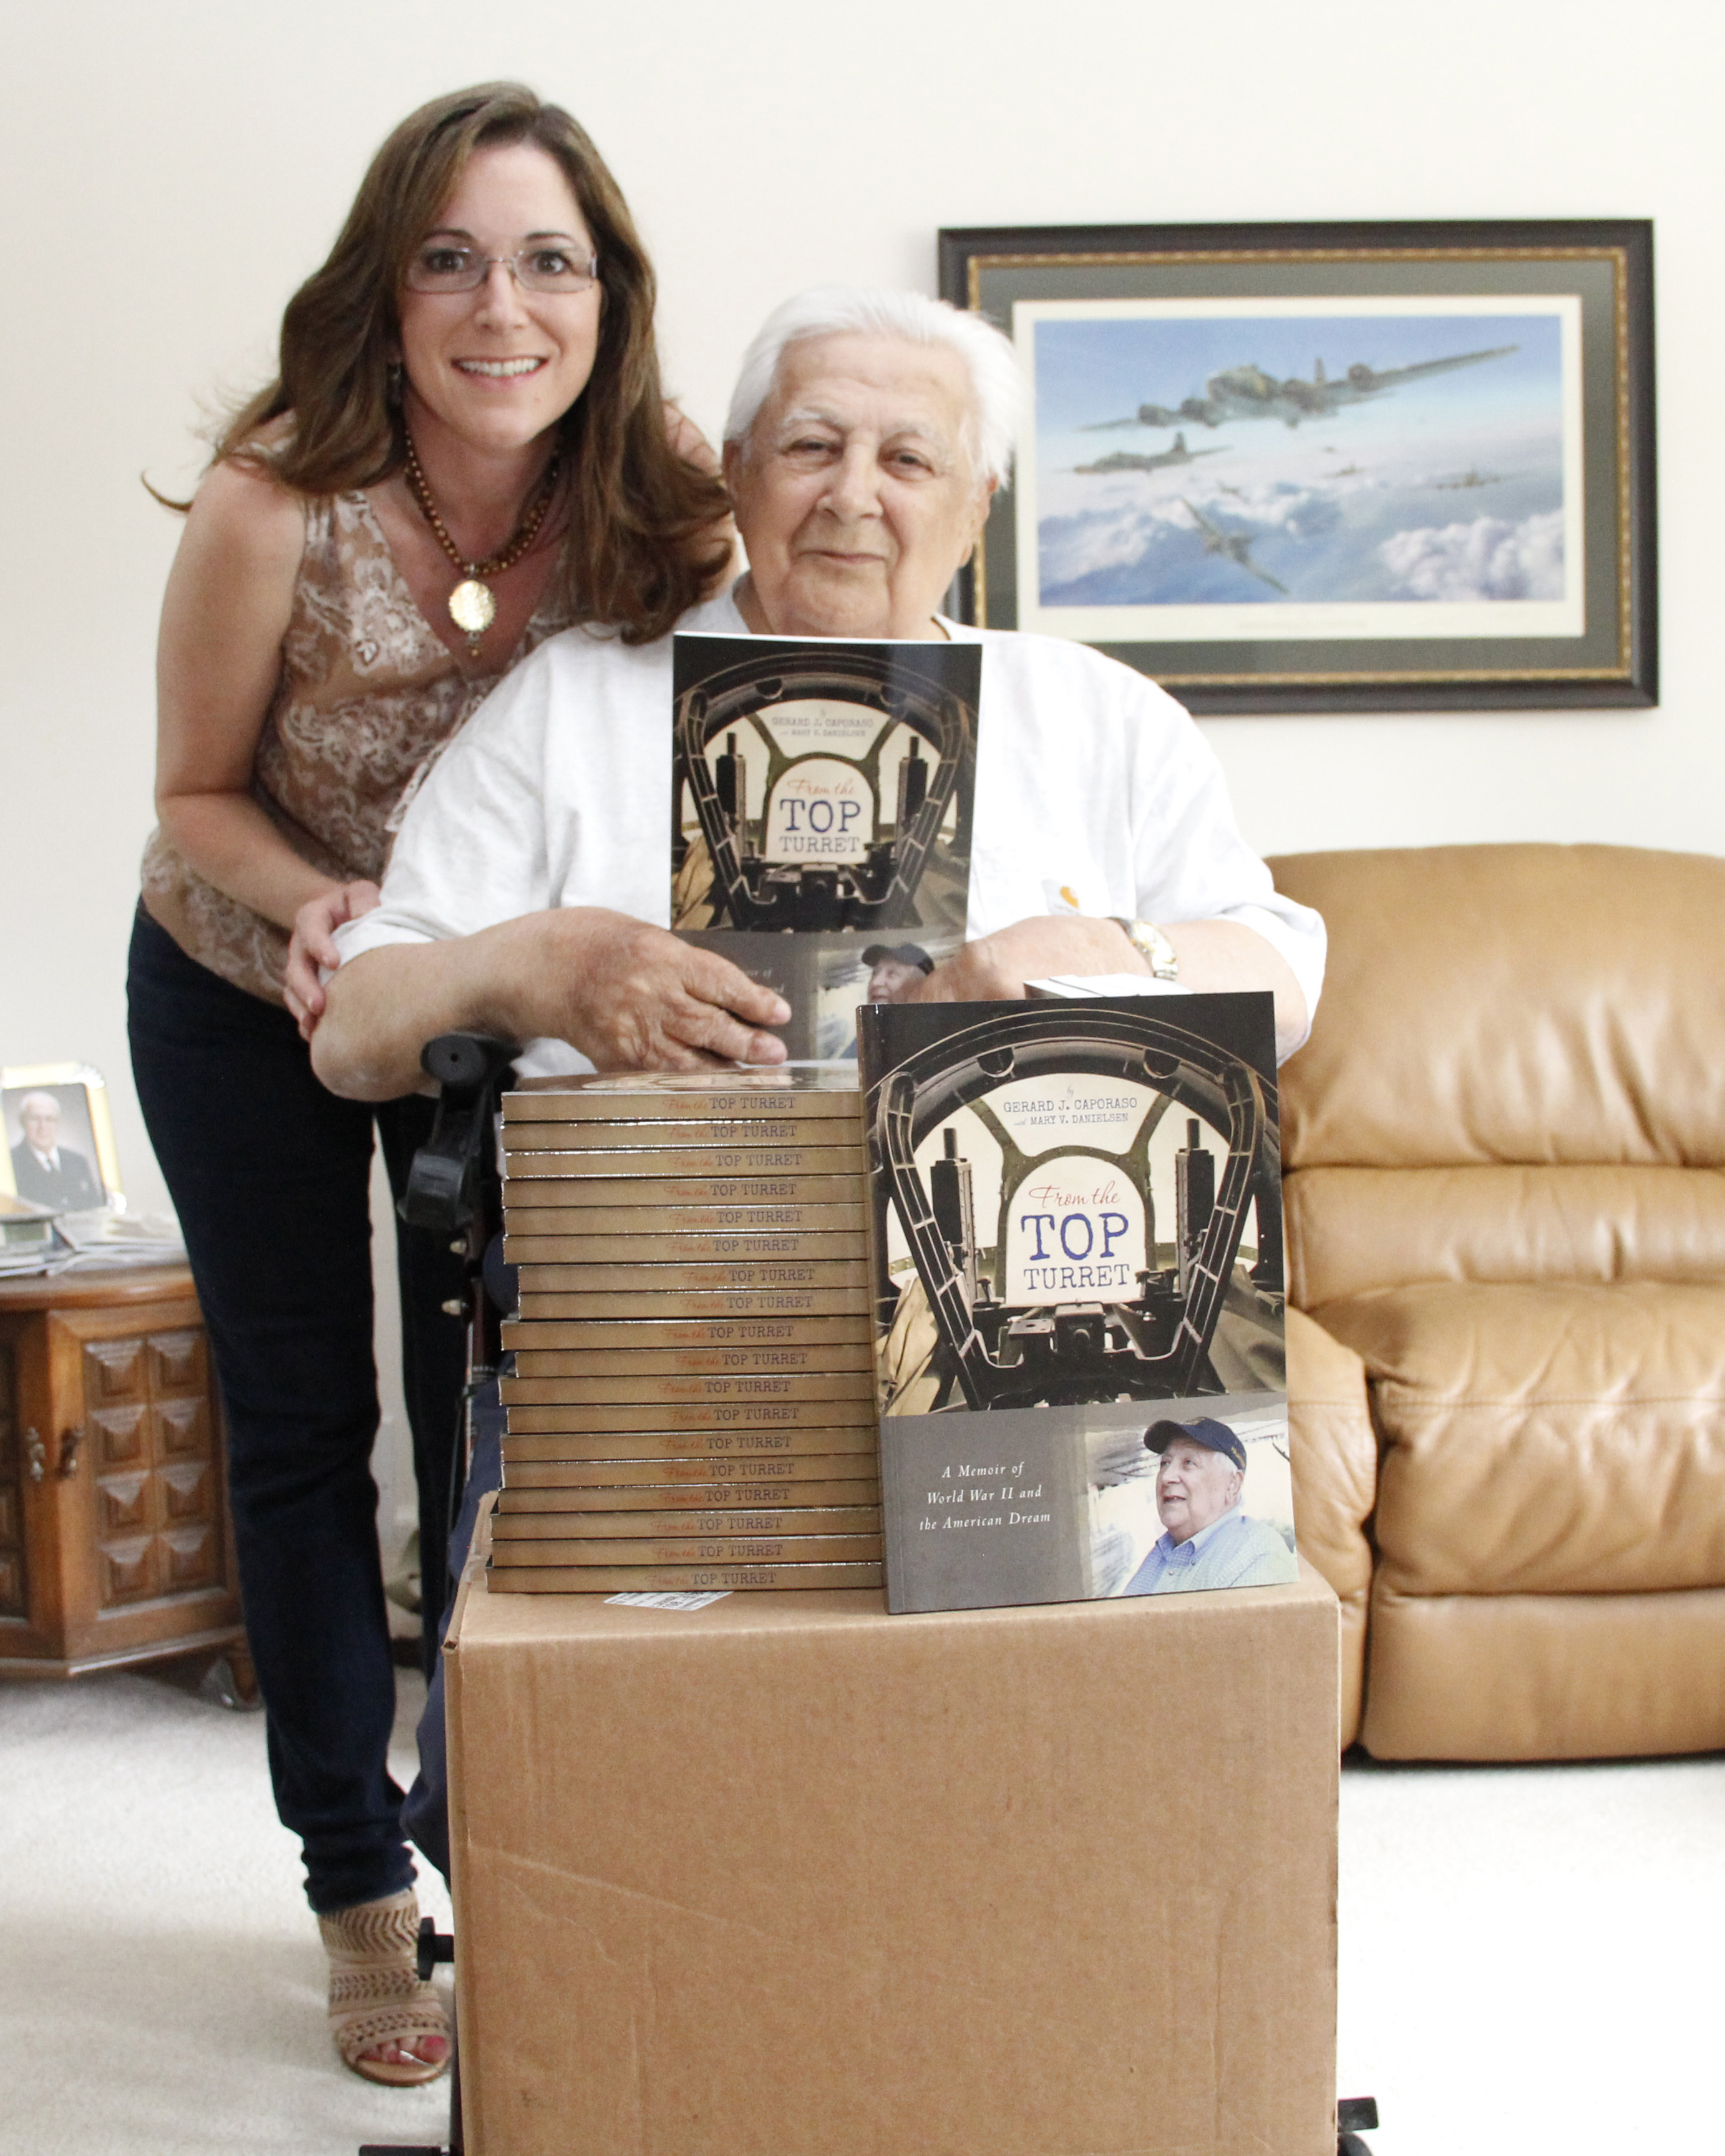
x=314 y=945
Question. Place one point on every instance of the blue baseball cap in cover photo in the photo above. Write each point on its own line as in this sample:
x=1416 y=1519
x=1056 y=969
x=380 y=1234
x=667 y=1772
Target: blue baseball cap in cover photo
x=1202 y=1429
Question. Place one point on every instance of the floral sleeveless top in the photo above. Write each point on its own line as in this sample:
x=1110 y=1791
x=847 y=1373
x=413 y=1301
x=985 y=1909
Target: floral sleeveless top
x=368 y=695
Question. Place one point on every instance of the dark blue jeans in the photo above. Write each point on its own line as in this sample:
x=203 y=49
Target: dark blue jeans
x=270 y=1175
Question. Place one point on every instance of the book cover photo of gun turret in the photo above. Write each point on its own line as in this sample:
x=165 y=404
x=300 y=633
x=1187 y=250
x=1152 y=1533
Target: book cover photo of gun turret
x=1075 y=1241
x=821 y=811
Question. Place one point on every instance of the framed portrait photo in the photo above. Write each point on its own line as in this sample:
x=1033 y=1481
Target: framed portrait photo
x=59 y=1137
x=1330 y=467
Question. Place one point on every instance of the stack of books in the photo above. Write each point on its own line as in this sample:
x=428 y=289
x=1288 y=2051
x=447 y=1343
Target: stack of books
x=27 y=1237
x=693 y=1402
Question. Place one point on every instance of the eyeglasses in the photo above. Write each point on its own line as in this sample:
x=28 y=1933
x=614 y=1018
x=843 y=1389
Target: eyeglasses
x=440 y=268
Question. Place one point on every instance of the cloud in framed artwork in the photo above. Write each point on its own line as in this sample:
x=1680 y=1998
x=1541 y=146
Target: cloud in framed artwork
x=1317 y=540
x=1485 y=559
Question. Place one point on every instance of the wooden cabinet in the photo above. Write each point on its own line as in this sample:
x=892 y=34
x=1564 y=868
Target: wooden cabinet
x=115 y=1545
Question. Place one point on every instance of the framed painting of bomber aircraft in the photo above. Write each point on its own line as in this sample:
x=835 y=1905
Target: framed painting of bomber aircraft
x=1330 y=467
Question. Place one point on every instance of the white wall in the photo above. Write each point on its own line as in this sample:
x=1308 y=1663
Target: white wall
x=171 y=170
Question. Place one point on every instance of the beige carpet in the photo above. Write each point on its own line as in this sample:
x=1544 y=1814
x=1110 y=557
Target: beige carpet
x=1530 y=1957
x=161 y=1976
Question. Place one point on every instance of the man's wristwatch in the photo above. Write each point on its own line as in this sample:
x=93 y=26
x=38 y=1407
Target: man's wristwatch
x=1152 y=946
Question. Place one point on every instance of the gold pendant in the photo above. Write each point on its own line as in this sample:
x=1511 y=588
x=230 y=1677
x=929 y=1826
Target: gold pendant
x=472 y=608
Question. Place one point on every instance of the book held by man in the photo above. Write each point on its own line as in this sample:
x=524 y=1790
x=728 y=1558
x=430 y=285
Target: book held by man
x=823 y=795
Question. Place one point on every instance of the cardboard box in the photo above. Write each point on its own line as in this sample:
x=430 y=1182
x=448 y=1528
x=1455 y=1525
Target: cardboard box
x=788 y=1876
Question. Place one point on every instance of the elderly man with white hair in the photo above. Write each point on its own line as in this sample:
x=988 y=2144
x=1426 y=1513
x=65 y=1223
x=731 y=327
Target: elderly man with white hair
x=530 y=880
x=45 y=1171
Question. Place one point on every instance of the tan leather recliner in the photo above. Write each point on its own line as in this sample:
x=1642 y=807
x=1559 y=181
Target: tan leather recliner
x=1505 y=1157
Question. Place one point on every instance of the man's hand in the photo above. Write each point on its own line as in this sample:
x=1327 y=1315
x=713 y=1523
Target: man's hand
x=994 y=969
x=313 y=945
x=628 y=996
x=633 y=998
x=1214 y=956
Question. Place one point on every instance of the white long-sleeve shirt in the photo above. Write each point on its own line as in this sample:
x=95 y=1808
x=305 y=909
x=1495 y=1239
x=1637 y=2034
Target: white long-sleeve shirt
x=557 y=792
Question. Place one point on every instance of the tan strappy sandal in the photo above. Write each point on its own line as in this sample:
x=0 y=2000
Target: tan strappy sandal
x=376 y=1996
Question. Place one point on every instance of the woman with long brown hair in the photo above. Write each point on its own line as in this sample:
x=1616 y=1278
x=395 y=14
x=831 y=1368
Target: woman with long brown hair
x=465 y=452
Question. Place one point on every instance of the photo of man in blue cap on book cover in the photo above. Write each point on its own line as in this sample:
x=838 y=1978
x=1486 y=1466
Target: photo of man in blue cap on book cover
x=1208 y=1538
